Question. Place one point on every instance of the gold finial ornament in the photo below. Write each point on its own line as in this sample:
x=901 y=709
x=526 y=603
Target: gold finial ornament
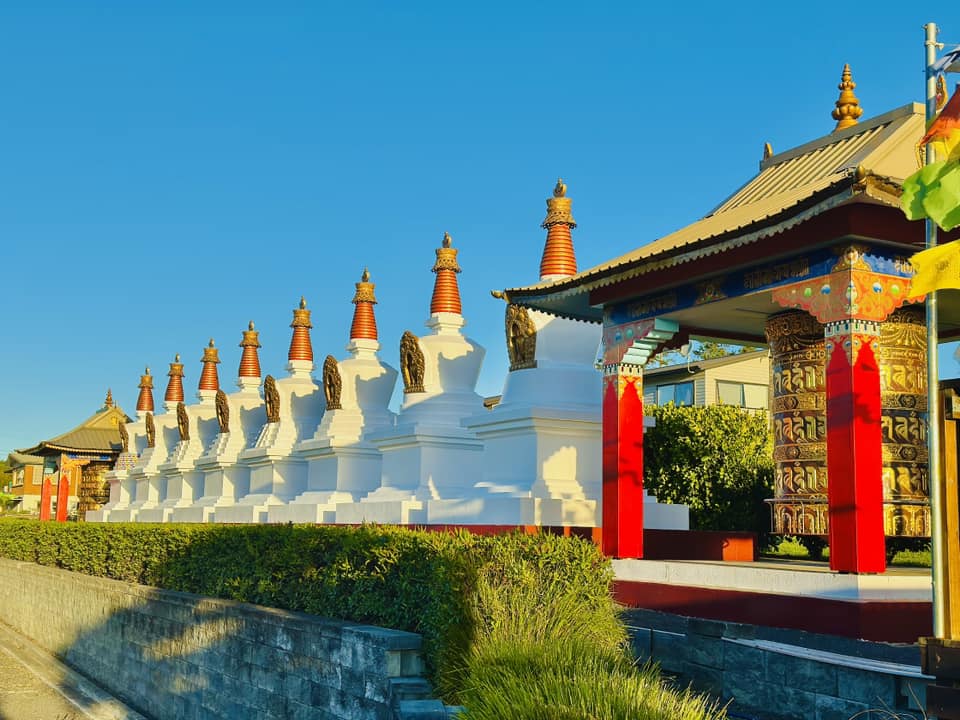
x=365 y=288
x=848 y=108
x=446 y=256
x=559 y=208
x=303 y=303
x=108 y=401
x=447 y=240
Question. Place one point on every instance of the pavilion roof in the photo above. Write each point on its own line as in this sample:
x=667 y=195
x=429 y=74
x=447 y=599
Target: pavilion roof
x=98 y=434
x=863 y=163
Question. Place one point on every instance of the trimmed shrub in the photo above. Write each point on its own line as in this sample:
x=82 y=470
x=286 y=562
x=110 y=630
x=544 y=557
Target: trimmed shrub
x=395 y=577
x=718 y=459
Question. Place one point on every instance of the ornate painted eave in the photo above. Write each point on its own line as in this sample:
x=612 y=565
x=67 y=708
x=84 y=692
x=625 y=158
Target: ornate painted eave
x=864 y=164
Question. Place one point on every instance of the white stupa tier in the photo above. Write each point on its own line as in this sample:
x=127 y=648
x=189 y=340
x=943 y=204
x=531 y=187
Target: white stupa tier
x=333 y=452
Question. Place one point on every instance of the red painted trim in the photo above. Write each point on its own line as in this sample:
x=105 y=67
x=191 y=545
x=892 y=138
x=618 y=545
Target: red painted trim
x=878 y=620
x=854 y=461
x=699 y=545
x=832 y=227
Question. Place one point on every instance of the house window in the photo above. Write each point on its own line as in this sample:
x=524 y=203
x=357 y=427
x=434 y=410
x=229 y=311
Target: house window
x=676 y=393
x=18 y=477
x=745 y=395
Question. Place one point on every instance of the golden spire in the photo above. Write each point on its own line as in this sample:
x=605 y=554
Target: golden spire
x=208 y=376
x=848 y=107
x=364 y=325
x=108 y=401
x=300 y=346
x=250 y=360
x=174 y=392
x=558 y=259
x=145 y=398
x=446 y=293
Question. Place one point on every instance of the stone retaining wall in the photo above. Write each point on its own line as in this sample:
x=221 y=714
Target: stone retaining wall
x=776 y=674
x=181 y=656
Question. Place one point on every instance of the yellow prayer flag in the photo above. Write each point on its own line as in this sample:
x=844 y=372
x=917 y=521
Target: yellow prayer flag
x=936 y=269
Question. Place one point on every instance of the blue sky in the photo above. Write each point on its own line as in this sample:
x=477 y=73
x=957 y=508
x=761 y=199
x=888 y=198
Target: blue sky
x=173 y=170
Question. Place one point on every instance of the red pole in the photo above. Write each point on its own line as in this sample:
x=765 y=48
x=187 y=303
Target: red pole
x=623 y=462
x=63 y=493
x=854 y=450
x=46 y=491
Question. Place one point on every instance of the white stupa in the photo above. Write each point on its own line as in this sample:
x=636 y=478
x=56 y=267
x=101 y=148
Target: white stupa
x=294 y=406
x=342 y=464
x=134 y=437
x=429 y=454
x=240 y=415
x=197 y=426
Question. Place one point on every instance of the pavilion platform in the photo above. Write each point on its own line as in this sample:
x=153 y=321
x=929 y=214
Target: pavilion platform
x=893 y=607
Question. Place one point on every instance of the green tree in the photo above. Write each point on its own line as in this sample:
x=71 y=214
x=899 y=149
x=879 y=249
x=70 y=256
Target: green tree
x=717 y=459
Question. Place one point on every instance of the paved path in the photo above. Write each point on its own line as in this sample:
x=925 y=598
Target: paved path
x=34 y=685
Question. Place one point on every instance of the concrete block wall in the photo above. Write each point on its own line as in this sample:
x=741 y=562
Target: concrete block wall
x=772 y=674
x=185 y=657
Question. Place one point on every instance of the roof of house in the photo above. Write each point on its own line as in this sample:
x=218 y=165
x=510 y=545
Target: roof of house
x=700 y=365
x=863 y=163
x=16 y=459
x=97 y=434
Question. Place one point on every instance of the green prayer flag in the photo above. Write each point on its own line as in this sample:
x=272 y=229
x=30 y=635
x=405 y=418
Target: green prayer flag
x=934 y=192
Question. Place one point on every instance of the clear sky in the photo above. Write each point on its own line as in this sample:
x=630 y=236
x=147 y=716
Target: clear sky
x=171 y=170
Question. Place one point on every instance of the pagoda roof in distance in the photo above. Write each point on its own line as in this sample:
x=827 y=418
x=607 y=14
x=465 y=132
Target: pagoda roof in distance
x=98 y=434
x=16 y=459
x=865 y=162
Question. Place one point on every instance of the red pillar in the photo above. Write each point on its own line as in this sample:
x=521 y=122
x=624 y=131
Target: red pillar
x=623 y=461
x=46 y=493
x=63 y=493
x=854 y=459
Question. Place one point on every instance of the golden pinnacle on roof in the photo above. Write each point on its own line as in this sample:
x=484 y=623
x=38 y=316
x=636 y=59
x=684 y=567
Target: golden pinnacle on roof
x=174 y=391
x=303 y=303
x=446 y=293
x=560 y=189
x=847 y=106
x=108 y=401
x=558 y=259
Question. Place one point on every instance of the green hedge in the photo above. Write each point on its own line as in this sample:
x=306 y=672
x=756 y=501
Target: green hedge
x=718 y=459
x=425 y=582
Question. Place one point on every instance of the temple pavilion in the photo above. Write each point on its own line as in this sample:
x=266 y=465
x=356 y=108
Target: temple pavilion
x=809 y=258
x=82 y=456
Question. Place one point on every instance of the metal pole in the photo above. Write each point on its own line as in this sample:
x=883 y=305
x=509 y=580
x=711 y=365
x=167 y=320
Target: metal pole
x=938 y=554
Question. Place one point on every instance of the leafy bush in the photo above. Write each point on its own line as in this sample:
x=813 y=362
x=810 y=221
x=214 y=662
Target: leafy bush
x=410 y=580
x=718 y=459
x=538 y=607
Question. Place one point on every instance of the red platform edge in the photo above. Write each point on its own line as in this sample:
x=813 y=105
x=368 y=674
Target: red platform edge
x=899 y=621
